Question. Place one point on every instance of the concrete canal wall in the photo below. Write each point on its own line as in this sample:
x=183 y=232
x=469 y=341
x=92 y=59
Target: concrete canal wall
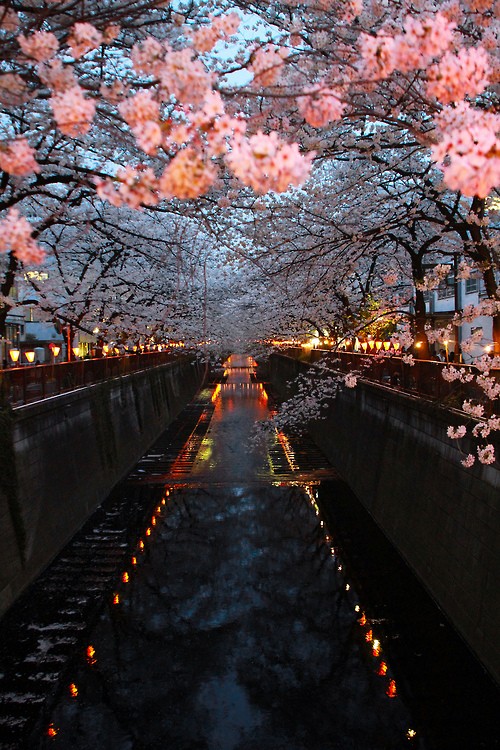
x=393 y=451
x=61 y=457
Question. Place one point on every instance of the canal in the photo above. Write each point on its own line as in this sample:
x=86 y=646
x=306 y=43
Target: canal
x=255 y=606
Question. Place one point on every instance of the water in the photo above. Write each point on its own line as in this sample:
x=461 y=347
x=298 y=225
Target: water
x=237 y=624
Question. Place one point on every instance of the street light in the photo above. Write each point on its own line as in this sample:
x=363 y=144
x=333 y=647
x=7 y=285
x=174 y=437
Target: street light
x=76 y=351
x=14 y=354
x=55 y=350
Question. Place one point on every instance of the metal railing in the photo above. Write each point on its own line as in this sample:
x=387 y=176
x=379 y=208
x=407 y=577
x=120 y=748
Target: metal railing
x=24 y=385
x=423 y=378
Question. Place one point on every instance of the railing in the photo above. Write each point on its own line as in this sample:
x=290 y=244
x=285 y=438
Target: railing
x=423 y=378
x=23 y=385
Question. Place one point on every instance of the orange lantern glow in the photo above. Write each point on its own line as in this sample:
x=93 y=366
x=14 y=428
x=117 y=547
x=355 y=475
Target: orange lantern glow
x=387 y=345
x=376 y=648
x=378 y=344
x=391 y=690
x=382 y=670
x=396 y=345
x=116 y=599
x=30 y=356
x=52 y=730
x=153 y=521
x=55 y=350
x=134 y=560
x=148 y=531
x=14 y=355
x=158 y=510
x=125 y=577
x=364 y=345
x=369 y=635
x=73 y=690
x=163 y=501
x=141 y=545
x=362 y=619
x=90 y=655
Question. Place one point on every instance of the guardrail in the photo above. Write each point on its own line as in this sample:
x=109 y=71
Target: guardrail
x=24 y=385
x=423 y=378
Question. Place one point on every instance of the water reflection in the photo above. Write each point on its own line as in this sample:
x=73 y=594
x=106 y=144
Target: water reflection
x=234 y=627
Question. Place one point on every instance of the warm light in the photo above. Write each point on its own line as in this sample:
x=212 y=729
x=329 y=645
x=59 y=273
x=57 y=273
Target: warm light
x=14 y=355
x=55 y=350
x=364 y=346
x=73 y=690
x=376 y=648
x=105 y=349
x=153 y=521
x=411 y=733
x=30 y=356
x=418 y=344
x=148 y=531
x=134 y=560
x=382 y=670
x=52 y=730
x=96 y=330
x=116 y=599
x=163 y=501
x=378 y=344
x=314 y=341
x=369 y=635
x=488 y=349
x=90 y=655
x=158 y=510
x=387 y=345
x=141 y=544
x=396 y=345
x=362 y=619
x=356 y=608
x=347 y=587
x=391 y=690
x=76 y=351
x=125 y=577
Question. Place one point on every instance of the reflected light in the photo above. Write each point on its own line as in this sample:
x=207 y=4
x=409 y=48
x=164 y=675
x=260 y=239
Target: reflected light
x=362 y=619
x=73 y=690
x=356 y=608
x=148 y=531
x=347 y=587
x=382 y=670
x=141 y=544
x=391 y=690
x=91 y=655
x=376 y=648
x=411 y=733
x=134 y=560
x=125 y=577
x=52 y=730
x=153 y=521
x=116 y=599
x=369 y=635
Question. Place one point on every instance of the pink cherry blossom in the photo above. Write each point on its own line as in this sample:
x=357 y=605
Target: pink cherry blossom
x=83 y=38
x=132 y=187
x=188 y=175
x=16 y=235
x=468 y=461
x=57 y=76
x=206 y=37
x=265 y=163
x=460 y=75
x=18 y=158
x=486 y=455
x=73 y=112
x=456 y=432
x=9 y=20
x=41 y=45
x=320 y=106
x=184 y=77
x=267 y=64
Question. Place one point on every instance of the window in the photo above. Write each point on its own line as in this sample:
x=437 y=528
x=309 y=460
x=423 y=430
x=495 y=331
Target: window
x=471 y=286
x=446 y=288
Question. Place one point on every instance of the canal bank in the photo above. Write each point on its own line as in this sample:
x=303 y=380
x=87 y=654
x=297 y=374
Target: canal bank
x=393 y=451
x=63 y=455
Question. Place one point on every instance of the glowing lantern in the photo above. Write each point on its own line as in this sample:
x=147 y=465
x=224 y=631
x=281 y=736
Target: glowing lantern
x=163 y=501
x=14 y=355
x=158 y=510
x=382 y=670
x=391 y=690
x=116 y=599
x=134 y=560
x=347 y=587
x=52 y=731
x=411 y=733
x=90 y=655
x=362 y=619
x=141 y=544
x=153 y=521
x=76 y=351
x=167 y=493
x=369 y=635
x=148 y=531
x=364 y=345
x=73 y=690
x=356 y=608
x=387 y=345
x=376 y=648
x=105 y=349
x=30 y=356
x=55 y=350
x=396 y=345
x=125 y=577
x=378 y=344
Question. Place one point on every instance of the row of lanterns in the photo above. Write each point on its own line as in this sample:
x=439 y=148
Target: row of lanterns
x=90 y=652
x=16 y=354
x=381 y=666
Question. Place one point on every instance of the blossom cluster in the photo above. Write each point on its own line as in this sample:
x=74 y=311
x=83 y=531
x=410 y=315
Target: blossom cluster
x=16 y=236
x=320 y=105
x=18 y=158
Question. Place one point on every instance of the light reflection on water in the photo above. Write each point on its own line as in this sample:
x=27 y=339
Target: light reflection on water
x=236 y=628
